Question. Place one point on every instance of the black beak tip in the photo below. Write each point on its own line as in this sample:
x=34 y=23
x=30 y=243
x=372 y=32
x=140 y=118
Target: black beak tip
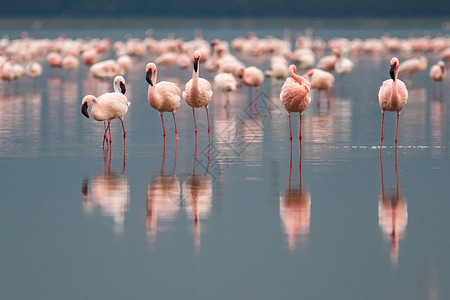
x=196 y=64
x=148 y=77
x=123 y=89
x=84 y=110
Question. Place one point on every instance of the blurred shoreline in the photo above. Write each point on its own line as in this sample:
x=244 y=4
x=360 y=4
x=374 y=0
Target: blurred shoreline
x=362 y=22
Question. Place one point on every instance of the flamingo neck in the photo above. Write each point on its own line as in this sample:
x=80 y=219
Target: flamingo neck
x=297 y=78
x=195 y=77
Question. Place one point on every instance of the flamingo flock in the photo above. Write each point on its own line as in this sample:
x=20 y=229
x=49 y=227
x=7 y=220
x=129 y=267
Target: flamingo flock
x=305 y=64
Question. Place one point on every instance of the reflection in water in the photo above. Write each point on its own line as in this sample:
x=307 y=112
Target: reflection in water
x=295 y=209
x=197 y=198
x=437 y=126
x=392 y=214
x=163 y=200
x=110 y=192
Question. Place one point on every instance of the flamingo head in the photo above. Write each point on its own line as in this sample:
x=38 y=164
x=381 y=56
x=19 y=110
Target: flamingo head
x=119 y=84
x=394 y=67
x=149 y=69
x=310 y=72
x=239 y=72
x=196 y=60
x=292 y=69
x=441 y=65
x=85 y=104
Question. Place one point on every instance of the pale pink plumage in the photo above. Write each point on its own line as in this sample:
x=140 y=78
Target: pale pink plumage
x=163 y=96
x=392 y=95
x=295 y=96
x=198 y=91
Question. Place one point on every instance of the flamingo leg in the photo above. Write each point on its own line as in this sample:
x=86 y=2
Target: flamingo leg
x=163 y=127
x=109 y=129
x=195 y=123
x=175 y=123
x=396 y=131
x=300 y=128
x=434 y=90
x=124 y=136
x=105 y=137
x=441 y=91
x=382 y=124
x=209 y=127
x=290 y=130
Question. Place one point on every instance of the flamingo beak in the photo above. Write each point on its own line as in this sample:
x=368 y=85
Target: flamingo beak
x=85 y=189
x=123 y=89
x=84 y=109
x=392 y=71
x=196 y=63
x=148 y=77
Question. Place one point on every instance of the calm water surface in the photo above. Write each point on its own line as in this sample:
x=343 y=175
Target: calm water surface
x=239 y=219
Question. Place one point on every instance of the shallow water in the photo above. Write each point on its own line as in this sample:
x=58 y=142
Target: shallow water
x=237 y=219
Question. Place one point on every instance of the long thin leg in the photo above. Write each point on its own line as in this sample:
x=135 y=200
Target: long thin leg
x=109 y=129
x=290 y=130
x=434 y=90
x=124 y=136
x=163 y=127
x=175 y=123
x=209 y=127
x=382 y=124
x=300 y=128
x=396 y=131
x=105 y=137
x=195 y=123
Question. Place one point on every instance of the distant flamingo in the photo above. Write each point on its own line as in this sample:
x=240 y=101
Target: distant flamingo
x=226 y=83
x=251 y=77
x=295 y=96
x=163 y=96
x=198 y=91
x=411 y=66
x=392 y=96
x=438 y=73
x=321 y=80
x=107 y=107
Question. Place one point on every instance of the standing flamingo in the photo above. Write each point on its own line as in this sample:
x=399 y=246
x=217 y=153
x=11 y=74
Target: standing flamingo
x=321 y=80
x=108 y=106
x=164 y=96
x=392 y=96
x=438 y=73
x=295 y=96
x=198 y=91
x=251 y=77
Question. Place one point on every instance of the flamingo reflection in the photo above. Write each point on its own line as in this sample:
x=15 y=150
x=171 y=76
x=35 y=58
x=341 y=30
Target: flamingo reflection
x=197 y=197
x=163 y=200
x=109 y=191
x=392 y=214
x=295 y=209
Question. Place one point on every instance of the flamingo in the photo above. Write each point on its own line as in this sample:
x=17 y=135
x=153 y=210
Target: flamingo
x=411 y=66
x=251 y=77
x=226 y=83
x=392 y=96
x=295 y=96
x=438 y=73
x=321 y=80
x=108 y=106
x=164 y=96
x=198 y=91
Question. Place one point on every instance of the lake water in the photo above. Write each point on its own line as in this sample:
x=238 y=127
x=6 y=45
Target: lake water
x=238 y=219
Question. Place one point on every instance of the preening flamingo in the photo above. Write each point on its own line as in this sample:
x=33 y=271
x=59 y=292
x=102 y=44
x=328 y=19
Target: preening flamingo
x=295 y=96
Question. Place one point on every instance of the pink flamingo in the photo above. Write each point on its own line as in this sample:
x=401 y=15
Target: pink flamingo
x=251 y=77
x=392 y=96
x=198 y=91
x=321 y=80
x=163 y=96
x=108 y=106
x=438 y=73
x=295 y=96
